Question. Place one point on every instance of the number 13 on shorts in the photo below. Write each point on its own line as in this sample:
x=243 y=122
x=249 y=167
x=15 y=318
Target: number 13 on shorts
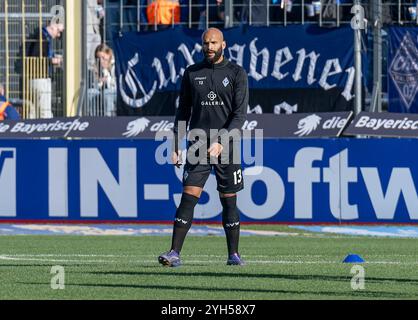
x=238 y=177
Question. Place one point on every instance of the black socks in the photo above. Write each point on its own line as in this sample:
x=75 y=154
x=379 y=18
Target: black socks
x=231 y=223
x=183 y=220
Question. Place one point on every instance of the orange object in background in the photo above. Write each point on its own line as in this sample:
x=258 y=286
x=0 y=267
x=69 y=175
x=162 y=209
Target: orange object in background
x=3 y=107
x=163 y=12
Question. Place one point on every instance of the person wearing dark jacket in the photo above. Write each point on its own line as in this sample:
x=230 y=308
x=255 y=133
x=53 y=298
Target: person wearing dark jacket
x=255 y=12
x=213 y=100
x=40 y=68
x=41 y=44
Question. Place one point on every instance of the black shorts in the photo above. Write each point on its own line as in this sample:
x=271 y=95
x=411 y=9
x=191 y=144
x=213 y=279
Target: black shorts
x=229 y=176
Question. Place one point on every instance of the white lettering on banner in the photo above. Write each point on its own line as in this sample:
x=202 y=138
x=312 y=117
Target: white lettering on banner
x=188 y=56
x=265 y=55
x=339 y=175
x=400 y=181
x=120 y=185
x=376 y=124
x=161 y=76
x=326 y=73
x=134 y=84
x=172 y=67
x=122 y=194
x=159 y=69
x=313 y=57
x=163 y=125
x=278 y=63
x=303 y=175
x=348 y=89
x=249 y=126
x=334 y=122
x=58 y=182
x=4 y=127
x=68 y=126
x=8 y=182
x=275 y=193
x=239 y=57
x=236 y=53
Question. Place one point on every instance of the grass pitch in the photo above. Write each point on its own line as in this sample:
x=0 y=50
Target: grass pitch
x=303 y=266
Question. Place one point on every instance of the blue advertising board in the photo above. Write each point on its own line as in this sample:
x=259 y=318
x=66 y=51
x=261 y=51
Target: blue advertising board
x=288 y=181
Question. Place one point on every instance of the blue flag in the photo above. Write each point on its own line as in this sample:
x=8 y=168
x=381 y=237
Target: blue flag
x=403 y=70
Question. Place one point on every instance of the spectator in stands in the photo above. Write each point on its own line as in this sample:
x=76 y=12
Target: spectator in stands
x=408 y=11
x=163 y=13
x=106 y=79
x=130 y=20
x=43 y=75
x=7 y=111
x=112 y=20
x=288 y=10
x=211 y=11
x=143 y=19
x=49 y=33
x=186 y=11
x=95 y=14
x=130 y=15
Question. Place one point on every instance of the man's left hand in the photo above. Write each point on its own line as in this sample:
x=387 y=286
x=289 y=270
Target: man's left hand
x=215 y=150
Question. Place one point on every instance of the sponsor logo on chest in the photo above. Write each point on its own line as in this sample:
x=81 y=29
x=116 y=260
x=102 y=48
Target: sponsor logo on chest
x=212 y=96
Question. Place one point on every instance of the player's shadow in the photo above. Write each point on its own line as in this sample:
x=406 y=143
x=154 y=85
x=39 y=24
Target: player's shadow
x=273 y=277
x=176 y=288
x=253 y=275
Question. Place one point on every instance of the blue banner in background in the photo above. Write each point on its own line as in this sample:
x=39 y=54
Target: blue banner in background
x=302 y=57
x=403 y=69
x=296 y=181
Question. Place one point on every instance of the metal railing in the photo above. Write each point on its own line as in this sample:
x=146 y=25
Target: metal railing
x=21 y=23
x=101 y=91
x=131 y=15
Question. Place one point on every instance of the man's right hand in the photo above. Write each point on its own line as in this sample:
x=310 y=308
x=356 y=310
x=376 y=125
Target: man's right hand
x=56 y=61
x=176 y=158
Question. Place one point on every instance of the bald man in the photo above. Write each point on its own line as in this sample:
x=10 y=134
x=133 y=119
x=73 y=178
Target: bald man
x=213 y=98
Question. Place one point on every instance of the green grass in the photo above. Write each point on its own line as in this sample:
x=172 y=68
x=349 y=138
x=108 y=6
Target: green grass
x=306 y=266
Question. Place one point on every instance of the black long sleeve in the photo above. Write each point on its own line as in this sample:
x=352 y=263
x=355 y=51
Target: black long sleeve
x=184 y=111
x=212 y=97
x=240 y=102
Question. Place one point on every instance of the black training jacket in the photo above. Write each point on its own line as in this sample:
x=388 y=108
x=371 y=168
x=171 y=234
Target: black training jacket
x=213 y=96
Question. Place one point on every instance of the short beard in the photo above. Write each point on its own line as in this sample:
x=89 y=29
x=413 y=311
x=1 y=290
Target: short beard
x=216 y=57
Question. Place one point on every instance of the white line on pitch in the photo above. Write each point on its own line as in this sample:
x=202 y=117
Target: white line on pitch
x=68 y=255
x=10 y=258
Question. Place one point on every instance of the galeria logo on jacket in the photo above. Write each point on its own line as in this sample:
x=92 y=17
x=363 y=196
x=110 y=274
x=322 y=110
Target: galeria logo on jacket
x=212 y=97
